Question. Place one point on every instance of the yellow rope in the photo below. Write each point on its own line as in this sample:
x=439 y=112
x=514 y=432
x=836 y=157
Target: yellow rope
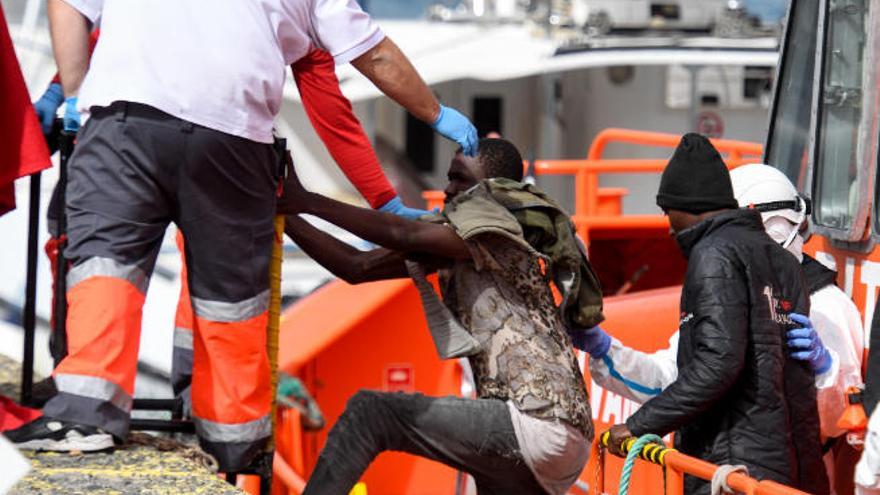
x=274 y=324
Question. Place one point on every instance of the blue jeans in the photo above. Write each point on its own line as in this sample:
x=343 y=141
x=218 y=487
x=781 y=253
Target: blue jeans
x=471 y=435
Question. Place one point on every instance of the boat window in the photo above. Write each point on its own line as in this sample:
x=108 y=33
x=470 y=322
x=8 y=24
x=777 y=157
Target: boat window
x=840 y=111
x=488 y=115
x=419 y=144
x=788 y=145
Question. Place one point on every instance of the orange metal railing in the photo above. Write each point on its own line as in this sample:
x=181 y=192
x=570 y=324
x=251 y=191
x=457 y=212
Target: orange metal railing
x=677 y=465
x=586 y=172
x=288 y=465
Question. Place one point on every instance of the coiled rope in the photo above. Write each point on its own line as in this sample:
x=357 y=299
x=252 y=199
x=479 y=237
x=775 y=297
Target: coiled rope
x=630 y=461
x=719 y=479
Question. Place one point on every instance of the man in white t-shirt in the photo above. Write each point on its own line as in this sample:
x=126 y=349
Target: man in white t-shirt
x=180 y=98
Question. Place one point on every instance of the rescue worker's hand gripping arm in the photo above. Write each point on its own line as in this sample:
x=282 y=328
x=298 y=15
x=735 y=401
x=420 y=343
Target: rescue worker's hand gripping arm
x=389 y=69
x=70 y=42
x=805 y=345
x=718 y=339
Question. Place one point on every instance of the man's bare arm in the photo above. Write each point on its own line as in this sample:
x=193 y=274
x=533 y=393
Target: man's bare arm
x=385 y=229
x=391 y=71
x=388 y=230
x=349 y=264
x=70 y=42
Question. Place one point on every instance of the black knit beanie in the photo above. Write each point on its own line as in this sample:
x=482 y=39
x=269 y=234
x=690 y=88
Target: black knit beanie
x=695 y=179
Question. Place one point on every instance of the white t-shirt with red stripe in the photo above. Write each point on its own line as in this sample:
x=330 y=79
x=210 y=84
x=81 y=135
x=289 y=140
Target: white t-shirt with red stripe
x=220 y=64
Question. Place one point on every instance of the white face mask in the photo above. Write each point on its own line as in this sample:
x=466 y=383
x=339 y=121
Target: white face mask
x=784 y=232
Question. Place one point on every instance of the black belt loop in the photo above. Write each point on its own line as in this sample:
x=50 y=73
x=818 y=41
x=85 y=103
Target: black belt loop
x=123 y=111
x=282 y=155
x=186 y=126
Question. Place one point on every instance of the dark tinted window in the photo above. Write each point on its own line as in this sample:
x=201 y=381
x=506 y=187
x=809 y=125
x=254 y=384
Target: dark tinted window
x=840 y=113
x=787 y=148
x=419 y=144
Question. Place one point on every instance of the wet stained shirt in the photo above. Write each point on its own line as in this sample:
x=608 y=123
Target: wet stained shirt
x=503 y=298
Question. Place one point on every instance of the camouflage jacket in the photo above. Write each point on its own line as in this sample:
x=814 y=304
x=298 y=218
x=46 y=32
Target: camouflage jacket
x=502 y=297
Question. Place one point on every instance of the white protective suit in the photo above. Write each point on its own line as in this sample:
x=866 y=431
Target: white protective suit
x=868 y=468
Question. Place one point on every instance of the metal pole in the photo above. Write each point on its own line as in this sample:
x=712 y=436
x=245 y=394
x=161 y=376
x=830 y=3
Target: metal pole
x=694 y=110
x=58 y=345
x=29 y=319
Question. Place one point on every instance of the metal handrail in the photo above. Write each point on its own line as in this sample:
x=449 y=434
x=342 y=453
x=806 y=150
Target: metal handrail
x=678 y=464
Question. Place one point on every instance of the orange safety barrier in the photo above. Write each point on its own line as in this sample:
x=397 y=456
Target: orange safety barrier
x=586 y=172
x=288 y=465
x=287 y=476
x=677 y=465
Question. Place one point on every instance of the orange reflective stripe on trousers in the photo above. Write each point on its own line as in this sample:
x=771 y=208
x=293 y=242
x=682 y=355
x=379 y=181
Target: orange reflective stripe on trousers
x=103 y=322
x=96 y=380
x=231 y=371
x=231 y=390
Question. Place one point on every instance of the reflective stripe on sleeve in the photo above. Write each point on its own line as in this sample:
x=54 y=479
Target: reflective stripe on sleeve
x=231 y=312
x=250 y=431
x=95 y=388
x=107 y=267
x=638 y=387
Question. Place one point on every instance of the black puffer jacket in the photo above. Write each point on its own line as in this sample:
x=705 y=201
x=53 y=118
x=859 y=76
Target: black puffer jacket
x=739 y=398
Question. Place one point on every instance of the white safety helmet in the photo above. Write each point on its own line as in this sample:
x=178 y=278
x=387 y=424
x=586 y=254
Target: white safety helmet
x=770 y=192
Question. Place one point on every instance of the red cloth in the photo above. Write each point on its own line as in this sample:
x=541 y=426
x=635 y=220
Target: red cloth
x=12 y=415
x=332 y=117
x=23 y=148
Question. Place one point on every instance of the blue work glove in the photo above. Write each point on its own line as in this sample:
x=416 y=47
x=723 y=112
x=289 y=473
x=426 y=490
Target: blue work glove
x=594 y=341
x=47 y=106
x=397 y=207
x=71 y=115
x=805 y=345
x=454 y=126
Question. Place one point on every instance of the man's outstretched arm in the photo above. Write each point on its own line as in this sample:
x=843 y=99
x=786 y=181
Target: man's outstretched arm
x=385 y=229
x=389 y=69
x=349 y=264
x=392 y=72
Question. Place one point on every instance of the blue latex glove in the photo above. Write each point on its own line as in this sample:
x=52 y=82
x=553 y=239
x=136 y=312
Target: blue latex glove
x=397 y=207
x=594 y=341
x=454 y=126
x=71 y=115
x=805 y=345
x=47 y=106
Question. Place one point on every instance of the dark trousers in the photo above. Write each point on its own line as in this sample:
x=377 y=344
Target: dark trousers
x=475 y=436
x=134 y=171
